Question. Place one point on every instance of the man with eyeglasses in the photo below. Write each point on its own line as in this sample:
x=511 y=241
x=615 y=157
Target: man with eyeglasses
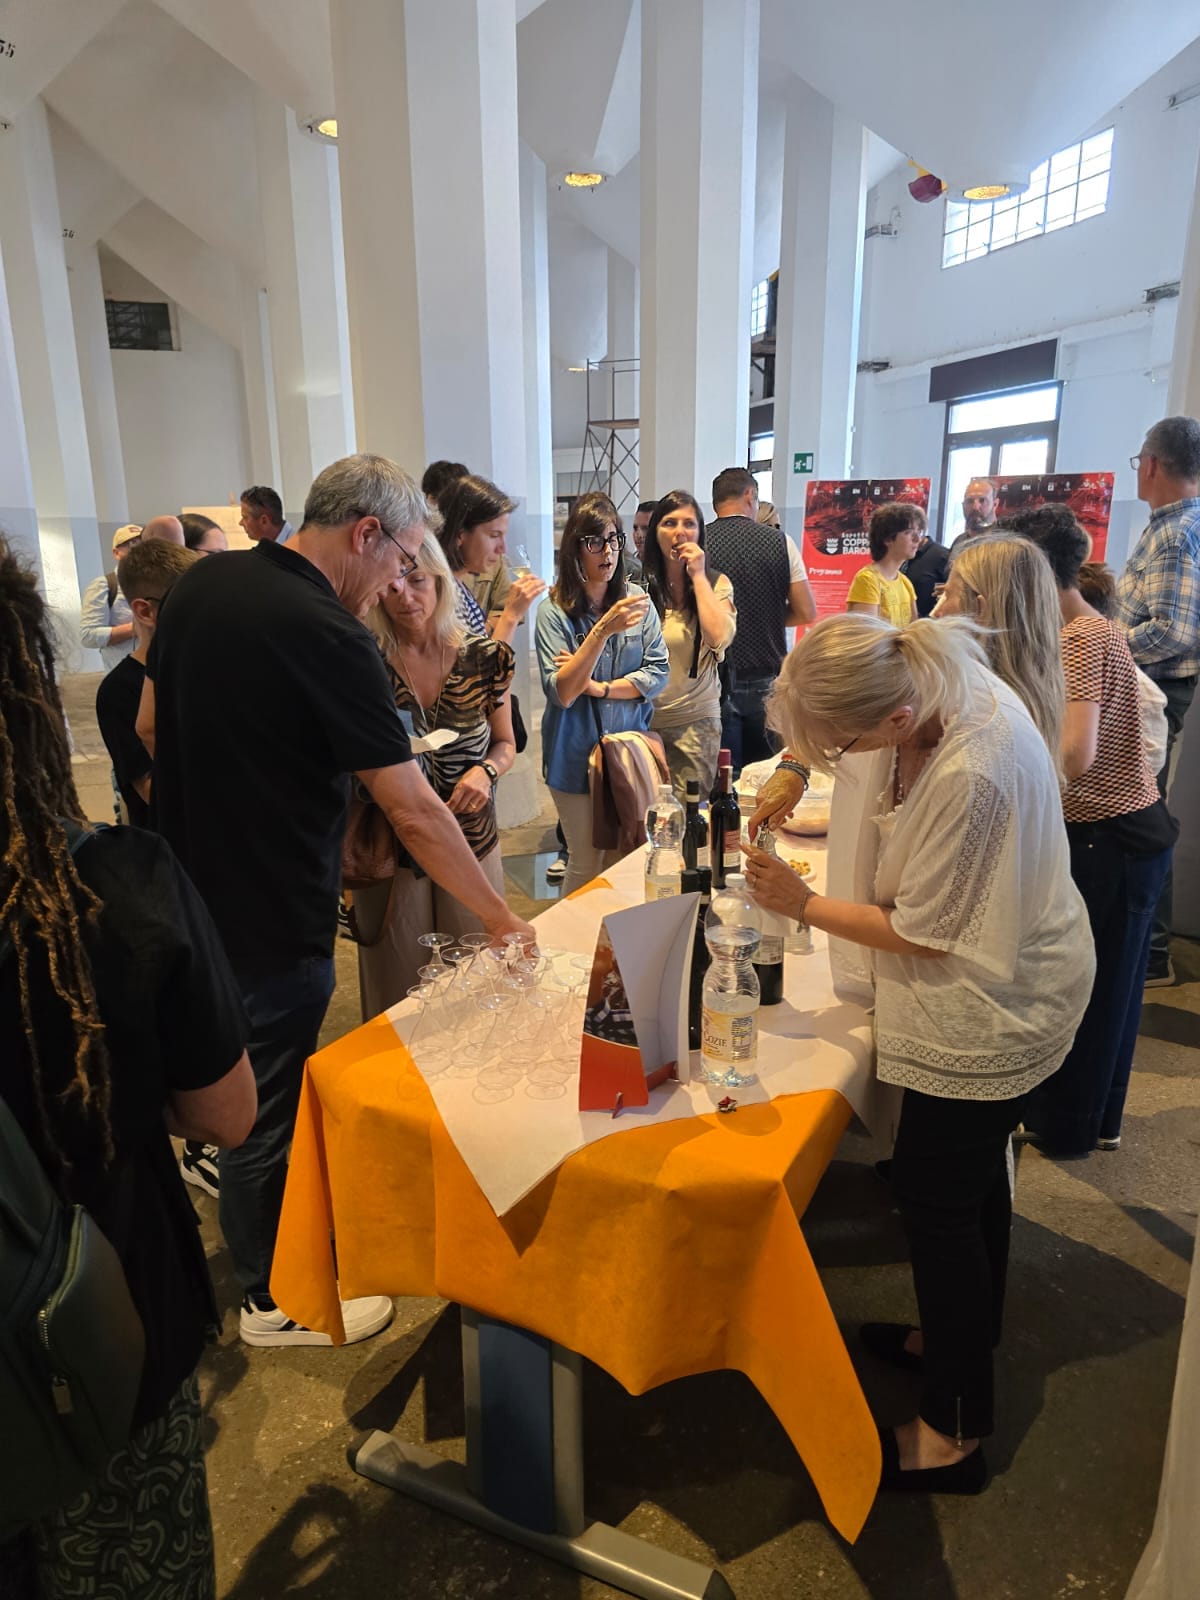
x=1158 y=603
x=254 y=744
x=105 y=621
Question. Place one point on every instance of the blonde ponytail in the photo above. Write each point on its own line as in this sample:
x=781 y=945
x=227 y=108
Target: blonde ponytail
x=850 y=672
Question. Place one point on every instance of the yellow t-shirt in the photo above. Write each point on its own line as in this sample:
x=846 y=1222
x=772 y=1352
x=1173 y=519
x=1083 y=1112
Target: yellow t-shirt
x=895 y=597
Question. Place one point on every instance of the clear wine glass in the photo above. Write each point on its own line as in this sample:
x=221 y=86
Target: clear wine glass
x=518 y=560
x=435 y=943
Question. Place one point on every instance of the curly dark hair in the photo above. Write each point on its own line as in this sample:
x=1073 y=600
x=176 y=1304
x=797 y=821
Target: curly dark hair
x=1058 y=535
x=44 y=904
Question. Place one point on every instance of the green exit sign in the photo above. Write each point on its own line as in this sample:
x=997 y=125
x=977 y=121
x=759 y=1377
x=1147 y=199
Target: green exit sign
x=802 y=461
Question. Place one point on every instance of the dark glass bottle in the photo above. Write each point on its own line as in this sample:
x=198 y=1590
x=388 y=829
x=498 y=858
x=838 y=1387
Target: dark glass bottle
x=697 y=880
x=695 y=830
x=725 y=831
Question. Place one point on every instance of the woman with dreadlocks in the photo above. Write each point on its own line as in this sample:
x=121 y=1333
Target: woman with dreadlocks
x=119 y=1020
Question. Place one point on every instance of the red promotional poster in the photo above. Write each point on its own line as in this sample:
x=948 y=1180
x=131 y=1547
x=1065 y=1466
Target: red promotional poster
x=836 y=516
x=1088 y=494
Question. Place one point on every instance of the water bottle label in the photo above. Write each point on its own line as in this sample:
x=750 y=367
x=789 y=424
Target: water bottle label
x=727 y=1037
x=770 y=950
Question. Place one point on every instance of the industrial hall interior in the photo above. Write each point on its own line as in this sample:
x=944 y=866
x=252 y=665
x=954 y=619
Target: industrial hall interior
x=628 y=1021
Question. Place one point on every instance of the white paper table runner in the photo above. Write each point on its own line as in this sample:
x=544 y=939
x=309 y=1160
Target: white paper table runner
x=810 y=1041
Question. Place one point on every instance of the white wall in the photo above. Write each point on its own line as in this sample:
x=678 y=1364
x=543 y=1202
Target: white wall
x=578 y=322
x=1083 y=284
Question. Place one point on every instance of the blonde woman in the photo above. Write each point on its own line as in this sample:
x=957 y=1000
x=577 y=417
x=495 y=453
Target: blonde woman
x=950 y=890
x=445 y=680
x=1007 y=585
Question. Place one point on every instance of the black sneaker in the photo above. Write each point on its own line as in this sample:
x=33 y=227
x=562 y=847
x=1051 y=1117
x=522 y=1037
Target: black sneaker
x=198 y=1165
x=557 y=870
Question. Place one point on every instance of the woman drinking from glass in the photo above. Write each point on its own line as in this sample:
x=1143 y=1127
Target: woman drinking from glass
x=602 y=660
x=698 y=623
x=445 y=680
x=950 y=901
x=474 y=534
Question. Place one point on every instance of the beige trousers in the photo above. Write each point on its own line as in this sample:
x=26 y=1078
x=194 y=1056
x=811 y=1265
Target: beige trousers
x=585 y=861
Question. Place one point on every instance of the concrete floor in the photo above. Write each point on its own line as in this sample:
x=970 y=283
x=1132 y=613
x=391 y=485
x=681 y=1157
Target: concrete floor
x=1099 y=1269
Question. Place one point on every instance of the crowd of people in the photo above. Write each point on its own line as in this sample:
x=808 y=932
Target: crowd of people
x=999 y=872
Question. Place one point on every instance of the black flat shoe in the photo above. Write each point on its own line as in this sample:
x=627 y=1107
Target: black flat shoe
x=968 y=1476
x=886 y=1340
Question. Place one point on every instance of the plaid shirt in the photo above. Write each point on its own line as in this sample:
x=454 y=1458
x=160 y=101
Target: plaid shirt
x=1158 y=596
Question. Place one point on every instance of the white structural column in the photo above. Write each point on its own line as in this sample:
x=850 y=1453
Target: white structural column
x=39 y=302
x=258 y=379
x=819 y=294
x=426 y=94
x=18 y=515
x=535 y=319
x=1183 y=398
x=305 y=300
x=99 y=392
x=699 y=136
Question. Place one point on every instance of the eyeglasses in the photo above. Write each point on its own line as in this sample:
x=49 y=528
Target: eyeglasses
x=846 y=748
x=595 y=542
x=405 y=572
x=1135 y=462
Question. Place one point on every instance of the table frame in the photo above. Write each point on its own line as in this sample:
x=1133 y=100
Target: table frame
x=523 y=1477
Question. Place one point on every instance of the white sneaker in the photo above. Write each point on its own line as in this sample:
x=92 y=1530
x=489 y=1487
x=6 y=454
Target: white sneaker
x=362 y=1318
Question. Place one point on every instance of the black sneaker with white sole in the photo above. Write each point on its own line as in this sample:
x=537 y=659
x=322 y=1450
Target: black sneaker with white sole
x=198 y=1165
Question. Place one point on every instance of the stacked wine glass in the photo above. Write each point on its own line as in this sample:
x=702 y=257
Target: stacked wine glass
x=510 y=1018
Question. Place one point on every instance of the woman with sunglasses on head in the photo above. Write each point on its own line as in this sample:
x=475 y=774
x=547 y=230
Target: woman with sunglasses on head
x=473 y=535
x=699 y=622
x=602 y=660
x=950 y=905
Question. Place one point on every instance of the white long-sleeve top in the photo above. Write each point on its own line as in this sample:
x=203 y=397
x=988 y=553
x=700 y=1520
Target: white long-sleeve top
x=97 y=619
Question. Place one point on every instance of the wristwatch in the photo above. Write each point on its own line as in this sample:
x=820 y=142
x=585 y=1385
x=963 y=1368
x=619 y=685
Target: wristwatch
x=491 y=771
x=606 y=687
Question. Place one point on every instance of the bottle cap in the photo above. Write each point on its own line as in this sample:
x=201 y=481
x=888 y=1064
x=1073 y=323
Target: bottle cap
x=734 y=880
x=693 y=789
x=689 y=880
x=724 y=759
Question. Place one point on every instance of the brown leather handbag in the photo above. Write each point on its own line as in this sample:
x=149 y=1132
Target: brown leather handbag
x=370 y=856
x=624 y=772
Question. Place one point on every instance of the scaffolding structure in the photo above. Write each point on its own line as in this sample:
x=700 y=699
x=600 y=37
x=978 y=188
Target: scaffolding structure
x=610 y=445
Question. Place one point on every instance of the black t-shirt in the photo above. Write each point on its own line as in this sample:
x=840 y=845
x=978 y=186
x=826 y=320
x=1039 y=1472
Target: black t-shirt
x=929 y=567
x=268 y=694
x=117 y=701
x=173 y=1020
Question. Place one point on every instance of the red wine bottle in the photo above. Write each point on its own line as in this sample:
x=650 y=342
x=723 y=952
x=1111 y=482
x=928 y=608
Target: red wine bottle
x=725 y=831
x=695 y=830
x=697 y=880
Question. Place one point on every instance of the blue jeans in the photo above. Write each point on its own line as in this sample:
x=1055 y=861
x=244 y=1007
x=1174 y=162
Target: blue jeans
x=286 y=1012
x=1085 y=1099
x=744 y=722
x=1179 y=692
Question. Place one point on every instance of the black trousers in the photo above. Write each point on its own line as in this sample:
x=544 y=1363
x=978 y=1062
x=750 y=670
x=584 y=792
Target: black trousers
x=1179 y=693
x=950 y=1178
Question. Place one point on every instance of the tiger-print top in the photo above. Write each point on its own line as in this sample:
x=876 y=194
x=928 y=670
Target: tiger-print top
x=478 y=682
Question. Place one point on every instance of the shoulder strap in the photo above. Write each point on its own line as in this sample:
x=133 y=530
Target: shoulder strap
x=111 y=579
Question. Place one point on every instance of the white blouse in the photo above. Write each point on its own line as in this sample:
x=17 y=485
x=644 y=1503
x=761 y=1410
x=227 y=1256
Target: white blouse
x=975 y=863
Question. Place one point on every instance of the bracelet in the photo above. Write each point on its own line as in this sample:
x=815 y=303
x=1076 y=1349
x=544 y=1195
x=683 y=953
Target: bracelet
x=606 y=687
x=787 y=763
x=802 y=915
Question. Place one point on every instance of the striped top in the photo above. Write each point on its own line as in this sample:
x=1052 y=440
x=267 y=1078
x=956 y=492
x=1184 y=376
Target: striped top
x=477 y=683
x=1099 y=669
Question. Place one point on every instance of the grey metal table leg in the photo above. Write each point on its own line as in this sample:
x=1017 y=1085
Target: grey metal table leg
x=524 y=1473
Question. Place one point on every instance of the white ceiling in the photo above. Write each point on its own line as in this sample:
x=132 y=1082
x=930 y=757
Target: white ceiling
x=154 y=99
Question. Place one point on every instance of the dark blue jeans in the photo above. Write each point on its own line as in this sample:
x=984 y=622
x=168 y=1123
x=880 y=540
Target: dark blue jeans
x=744 y=730
x=1179 y=692
x=286 y=1012
x=1085 y=1099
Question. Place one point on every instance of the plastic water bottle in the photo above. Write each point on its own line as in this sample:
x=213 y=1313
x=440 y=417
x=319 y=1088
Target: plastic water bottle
x=776 y=928
x=729 y=1020
x=664 y=831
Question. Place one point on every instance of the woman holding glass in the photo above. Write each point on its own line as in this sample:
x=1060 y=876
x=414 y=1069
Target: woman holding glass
x=951 y=906
x=602 y=660
x=474 y=537
x=445 y=681
x=698 y=623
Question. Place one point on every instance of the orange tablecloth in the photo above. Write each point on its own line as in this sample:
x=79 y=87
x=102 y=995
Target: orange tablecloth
x=662 y=1253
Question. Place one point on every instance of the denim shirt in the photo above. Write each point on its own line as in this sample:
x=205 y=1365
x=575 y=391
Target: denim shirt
x=570 y=732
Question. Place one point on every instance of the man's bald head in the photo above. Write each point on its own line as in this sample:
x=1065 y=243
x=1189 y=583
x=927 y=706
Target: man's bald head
x=168 y=529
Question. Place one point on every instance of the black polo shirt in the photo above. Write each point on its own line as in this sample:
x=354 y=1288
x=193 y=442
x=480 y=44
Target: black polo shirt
x=268 y=693
x=929 y=567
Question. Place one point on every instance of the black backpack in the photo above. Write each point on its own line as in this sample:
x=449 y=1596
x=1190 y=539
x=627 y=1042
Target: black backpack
x=71 y=1340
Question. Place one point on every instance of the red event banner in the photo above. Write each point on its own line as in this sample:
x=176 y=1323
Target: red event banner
x=1087 y=494
x=837 y=513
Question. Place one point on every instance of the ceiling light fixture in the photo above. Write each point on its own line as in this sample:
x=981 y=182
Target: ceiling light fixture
x=584 y=180
x=576 y=369
x=988 y=191
x=325 y=129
